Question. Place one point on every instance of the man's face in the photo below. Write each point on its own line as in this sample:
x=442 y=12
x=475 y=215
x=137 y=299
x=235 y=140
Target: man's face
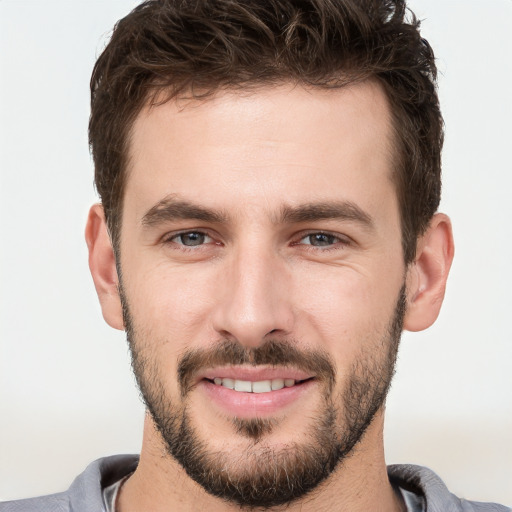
x=261 y=250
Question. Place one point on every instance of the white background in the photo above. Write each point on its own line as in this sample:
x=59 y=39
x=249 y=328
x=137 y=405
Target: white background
x=66 y=392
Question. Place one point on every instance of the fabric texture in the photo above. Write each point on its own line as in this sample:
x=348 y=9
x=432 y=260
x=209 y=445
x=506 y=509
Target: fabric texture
x=110 y=493
x=86 y=492
x=413 y=502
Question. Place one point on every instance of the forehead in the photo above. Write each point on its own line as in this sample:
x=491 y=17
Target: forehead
x=274 y=145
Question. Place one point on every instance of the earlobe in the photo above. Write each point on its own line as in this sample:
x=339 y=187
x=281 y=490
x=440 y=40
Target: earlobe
x=103 y=267
x=427 y=275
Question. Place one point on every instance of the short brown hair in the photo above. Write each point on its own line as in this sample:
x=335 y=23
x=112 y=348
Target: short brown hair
x=197 y=47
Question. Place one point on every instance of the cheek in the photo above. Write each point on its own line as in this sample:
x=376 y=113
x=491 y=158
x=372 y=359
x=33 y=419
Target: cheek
x=345 y=310
x=171 y=303
x=169 y=313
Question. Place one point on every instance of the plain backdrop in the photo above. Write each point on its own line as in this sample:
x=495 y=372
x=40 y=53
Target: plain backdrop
x=67 y=395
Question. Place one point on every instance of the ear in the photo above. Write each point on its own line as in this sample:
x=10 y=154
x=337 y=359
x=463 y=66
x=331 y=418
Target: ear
x=427 y=275
x=102 y=264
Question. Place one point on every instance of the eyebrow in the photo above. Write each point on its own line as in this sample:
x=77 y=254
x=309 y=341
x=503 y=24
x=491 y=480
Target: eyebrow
x=338 y=210
x=170 y=209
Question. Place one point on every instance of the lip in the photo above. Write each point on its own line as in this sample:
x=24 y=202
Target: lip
x=254 y=374
x=251 y=405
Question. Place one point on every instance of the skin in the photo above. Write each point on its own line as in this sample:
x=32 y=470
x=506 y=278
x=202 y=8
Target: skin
x=248 y=157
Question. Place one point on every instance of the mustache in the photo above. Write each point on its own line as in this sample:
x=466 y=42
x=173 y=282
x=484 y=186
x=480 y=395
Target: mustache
x=272 y=353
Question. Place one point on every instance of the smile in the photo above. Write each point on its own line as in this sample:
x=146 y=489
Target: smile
x=261 y=386
x=249 y=392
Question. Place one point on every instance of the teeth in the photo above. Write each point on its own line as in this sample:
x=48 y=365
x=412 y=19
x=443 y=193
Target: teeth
x=243 y=385
x=262 y=386
x=277 y=384
x=228 y=383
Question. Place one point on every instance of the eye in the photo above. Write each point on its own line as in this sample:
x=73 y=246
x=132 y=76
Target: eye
x=320 y=239
x=191 y=238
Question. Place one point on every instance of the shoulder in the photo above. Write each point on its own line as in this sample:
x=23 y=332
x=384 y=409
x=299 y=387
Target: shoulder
x=53 y=503
x=437 y=497
x=85 y=493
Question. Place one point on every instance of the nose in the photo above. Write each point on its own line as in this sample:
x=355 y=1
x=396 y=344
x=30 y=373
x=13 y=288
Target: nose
x=255 y=299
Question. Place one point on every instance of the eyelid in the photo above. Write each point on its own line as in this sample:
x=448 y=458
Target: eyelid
x=342 y=242
x=343 y=239
x=169 y=237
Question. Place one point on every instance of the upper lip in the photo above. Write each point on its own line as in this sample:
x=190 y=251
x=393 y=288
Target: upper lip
x=253 y=374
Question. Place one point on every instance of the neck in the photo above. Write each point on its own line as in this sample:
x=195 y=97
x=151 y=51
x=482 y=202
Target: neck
x=360 y=483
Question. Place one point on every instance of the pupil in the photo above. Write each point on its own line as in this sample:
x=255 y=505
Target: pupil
x=322 y=239
x=192 y=238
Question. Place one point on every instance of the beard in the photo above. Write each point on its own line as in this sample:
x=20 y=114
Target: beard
x=264 y=476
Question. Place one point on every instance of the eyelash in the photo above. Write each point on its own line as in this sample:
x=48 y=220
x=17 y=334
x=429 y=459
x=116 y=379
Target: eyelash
x=340 y=241
x=170 y=239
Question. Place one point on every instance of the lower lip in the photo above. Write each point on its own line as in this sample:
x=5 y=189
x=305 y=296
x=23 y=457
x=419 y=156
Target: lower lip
x=249 y=405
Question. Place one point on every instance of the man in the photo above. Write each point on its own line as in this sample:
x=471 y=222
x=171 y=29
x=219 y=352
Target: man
x=269 y=175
